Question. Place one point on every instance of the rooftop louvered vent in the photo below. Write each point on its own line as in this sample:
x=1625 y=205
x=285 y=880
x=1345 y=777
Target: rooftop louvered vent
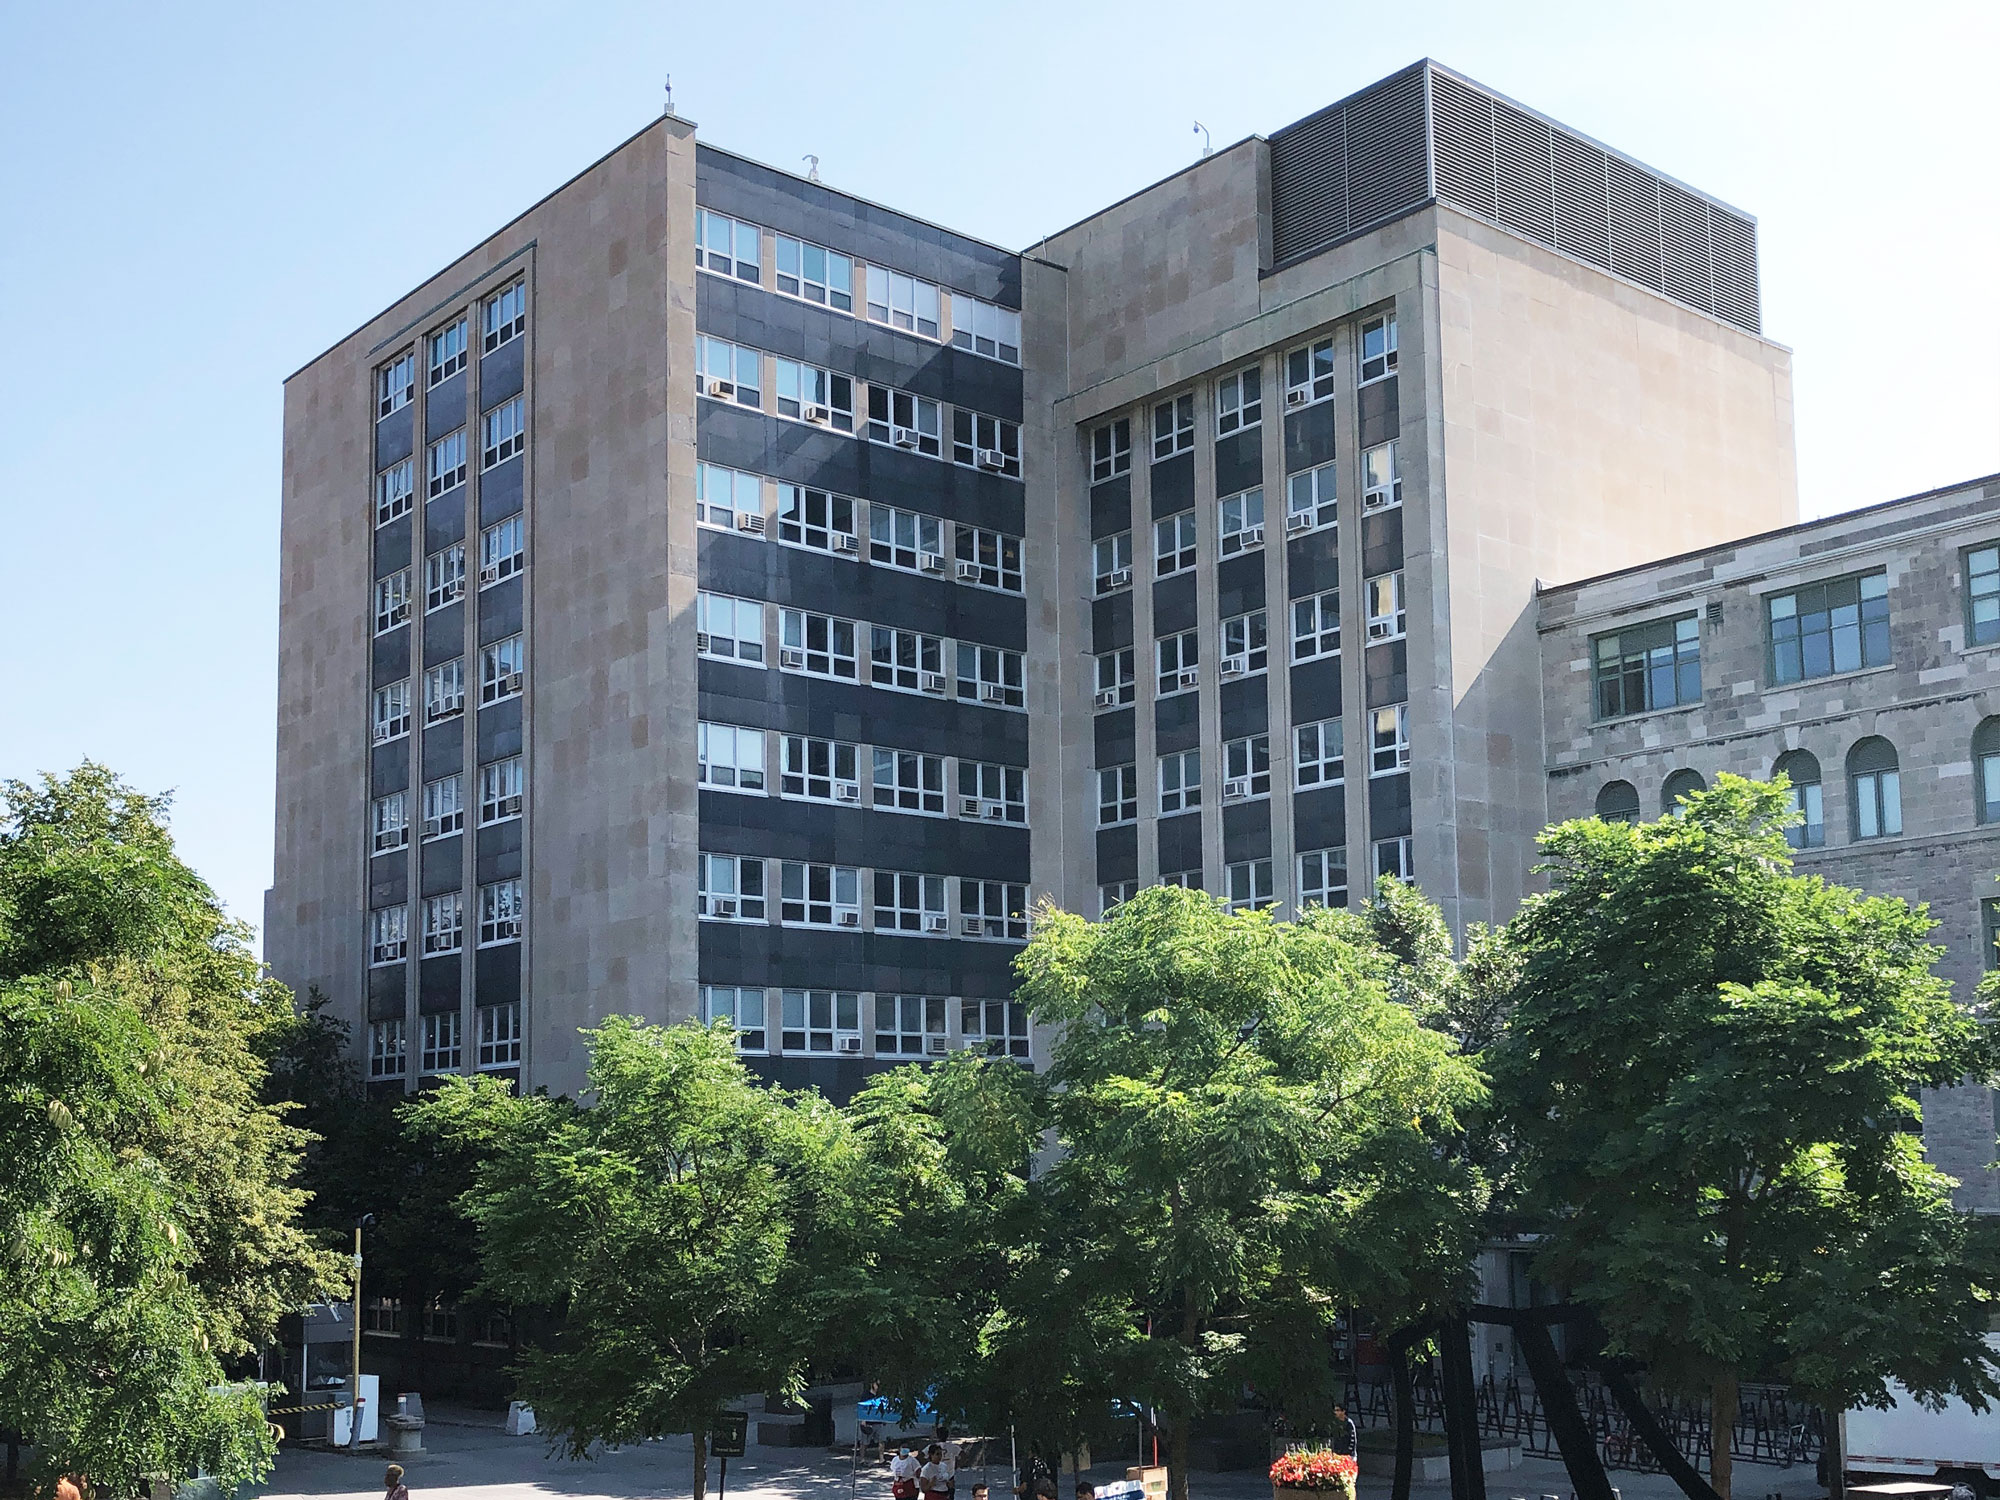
x=1369 y=159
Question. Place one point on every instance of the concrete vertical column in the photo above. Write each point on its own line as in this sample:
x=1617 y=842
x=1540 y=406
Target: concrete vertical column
x=1145 y=755
x=1353 y=615
x=1278 y=637
x=1208 y=627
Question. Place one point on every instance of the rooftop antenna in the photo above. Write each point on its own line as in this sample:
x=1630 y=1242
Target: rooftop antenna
x=812 y=168
x=670 y=93
x=1207 y=146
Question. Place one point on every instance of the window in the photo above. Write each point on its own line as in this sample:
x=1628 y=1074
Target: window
x=813 y=1019
x=1378 y=348
x=909 y=903
x=726 y=246
x=1387 y=620
x=1173 y=427
x=1114 y=894
x=1117 y=795
x=444 y=690
x=1239 y=401
x=1309 y=373
x=985 y=329
x=500 y=913
x=1321 y=761
x=1248 y=885
x=989 y=675
x=729 y=758
x=440 y=1055
x=1381 y=478
x=1389 y=740
x=499 y=1034
x=1173 y=544
x=815 y=395
x=987 y=789
x=1646 y=667
x=1323 y=878
x=906 y=781
x=903 y=301
x=1874 y=788
x=819 y=895
x=997 y=1027
x=1840 y=625
x=993 y=908
x=904 y=421
x=728 y=372
x=391 y=712
x=500 y=786
x=721 y=495
x=905 y=539
x=814 y=273
x=505 y=316
x=392 y=601
x=446 y=464
x=815 y=518
x=1801 y=768
x=1246 y=767
x=990 y=559
x=1679 y=784
x=1111 y=450
x=729 y=887
x=386 y=1041
x=395 y=492
x=502 y=548
x=729 y=628
x=742 y=1008
x=905 y=659
x=394 y=382
x=1985 y=770
x=443 y=807
x=1310 y=500
x=389 y=823
x=444 y=929
x=1111 y=562
x=1316 y=626
x=501 y=666
x=1618 y=802
x=440 y=1318
x=817 y=644
x=388 y=935
x=819 y=770
x=1396 y=857
x=444 y=576
x=1178 y=658
x=1115 y=683
x=908 y=1024
x=1180 y=782
x=984 y=442
x=448 y=350
x=1242 y=518
x=1982 y=596
x=1245 y=644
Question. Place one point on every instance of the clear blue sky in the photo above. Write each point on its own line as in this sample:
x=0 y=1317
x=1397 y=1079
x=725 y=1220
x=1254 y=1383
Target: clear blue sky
x=196 y=199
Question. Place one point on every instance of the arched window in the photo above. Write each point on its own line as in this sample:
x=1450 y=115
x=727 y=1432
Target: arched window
x=1986 y=770
x=1618 y=802
x=1683 y=783
x=1874 y=788
x=1801 y=768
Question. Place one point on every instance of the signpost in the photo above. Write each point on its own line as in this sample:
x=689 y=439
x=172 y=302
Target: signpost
x=727 y=1439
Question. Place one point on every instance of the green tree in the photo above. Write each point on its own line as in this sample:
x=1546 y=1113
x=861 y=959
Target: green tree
x=1711 y=1075
x=148 y=1225
x=681 y=1225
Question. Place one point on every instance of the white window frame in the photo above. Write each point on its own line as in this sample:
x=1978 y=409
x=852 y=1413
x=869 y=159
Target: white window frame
x=499 y=1034
x=819 y=770
x=389 y=823
x=388 y=935
x=1174 y=655
x=1173 y=426
x=818 y=645
x=444 y=464
x=986 y=329
x=1381 y=477
x=390 y=714
x=907 y=421
x=502 y=916
x=719 y=243
x=1247 y=638
x=442 y=806
x=1239 y=400
x=988 y=559
x=1388 y=618
x=723 y=495
x=1388 y=739
x=1312 y=495
x=1114 y=894
x=1317 y=886
x=502 y=790
x=1117 y=674
x=991 y=676
x=1240 y=521
x=1309 y=377
x=1111 y=556
x=1316 y=626
x=908 y=781
x=1175 y=543
x=896 y=299
x=830 y=284
x=999 y=1028
x=817 y=520
x=1186 y=880
x=904 y=539
x=991 y=444
x=803 y=389
x=818 y=895
x=817 y=1019
x=1396 y=857
x=992 y=791
x=503 y=316
x=911 y=1025
x=1248 y=885
x=444 y=925
x=395 y=491
x=916 y=903
x=745 y=1008
x=503 y=550
x=730 y=888
x=1247 y=761
x=730 y=758
x=1375 y=349
x=442 y=1052
x=395 y=384
x=450 y=348
x=392 y=601
x=993 y=909
x=388 y=1048
x=1111 y=450
x=1321 y=754
x=1178 y=780
x=444 y=576
x=503 y=670
x=728 y=628
x=444 y=690
x=736 y=365
x=1117 y=795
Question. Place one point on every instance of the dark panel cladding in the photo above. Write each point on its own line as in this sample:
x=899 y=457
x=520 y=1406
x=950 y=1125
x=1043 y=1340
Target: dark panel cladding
x=795 y=704
x=1312 y=563
x=1176 y=724
x=395 y=436
x=1114 y=737
x=1246 y=831
x=1117 y=854
x=444 y=749
x=497 y=853
x=444 y=520
x=1180 y=843
x=389 y=767
x=391 y=655
x=771 y=826
x=1174 y=604
x=1388 y=671
x=1309 y=437
x=754 y=954
x=1379 y=419
x=1350 y=166
x=1382 y=542
x=444 y=407
x=1319 y=819
x=388 y=879
x=1173 y=485
x=1239 y=583
x=392 y=547
x=1111 y=507
x=444 y=634
x=1239 y=461
x=1245 y=708
x=437 y=989
x=500 y=609
x=1316 y=690
x=499 y=731
x=500 y=373
x=499 y=495
x=496 y=971
x=1389 y=806
x=838 y=1079
x=444 y=866
x=387 y=992
x=1111 y=622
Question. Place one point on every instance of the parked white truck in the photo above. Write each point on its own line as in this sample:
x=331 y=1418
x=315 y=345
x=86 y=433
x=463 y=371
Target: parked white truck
x=1909 y=1440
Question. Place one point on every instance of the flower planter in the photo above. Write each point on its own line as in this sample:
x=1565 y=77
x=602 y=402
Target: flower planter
x=1285 y=1492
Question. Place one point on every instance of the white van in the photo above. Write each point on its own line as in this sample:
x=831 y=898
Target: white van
x=1910 y=1440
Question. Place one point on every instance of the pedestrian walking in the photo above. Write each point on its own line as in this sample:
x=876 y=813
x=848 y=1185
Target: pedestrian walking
x=1346 y=1436
x=903 y=1471
x=934 y=1478
x=392 y=1484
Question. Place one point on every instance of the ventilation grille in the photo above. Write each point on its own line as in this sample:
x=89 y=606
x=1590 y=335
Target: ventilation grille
x=1353 y=165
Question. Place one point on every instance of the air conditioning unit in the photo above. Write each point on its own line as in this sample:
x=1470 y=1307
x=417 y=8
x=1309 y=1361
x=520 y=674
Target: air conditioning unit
x=508 y=807
x=384 y=733
x=1298 y=397
x=971 y=926
x=1235 y=666
x=1234 y=789
x=1190 y=677
x=440 y=711
x=992 y=458
x=968 y=807
x=997 y=811
x=749 y=520
x=791 y=656
x=903 y=437
x=1375 y=500
x=397 y=949
x=847 y=919
x=724 y=389
x=490 y=573
x=1106 y=698
x=931 y=682
x=936 y=921
x=1117 y=578
x=930 y=562
x=1380 y=629
x=1253 y=537
x=847 y=791
x=821 y=416
x=847 y=1043
x=843 y=542
x=701 y=640
x=992 y=692
x=507 y=927
x=722 y=906
x=511 y=683
x=968 y=571
x=1299 y=521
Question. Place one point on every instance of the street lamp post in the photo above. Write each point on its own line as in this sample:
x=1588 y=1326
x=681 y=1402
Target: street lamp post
x=366 y=1221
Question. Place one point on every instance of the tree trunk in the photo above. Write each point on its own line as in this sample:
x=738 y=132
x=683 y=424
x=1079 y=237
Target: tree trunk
x=1721 y=1431
x=701 y=1465
x=1177 y=1449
